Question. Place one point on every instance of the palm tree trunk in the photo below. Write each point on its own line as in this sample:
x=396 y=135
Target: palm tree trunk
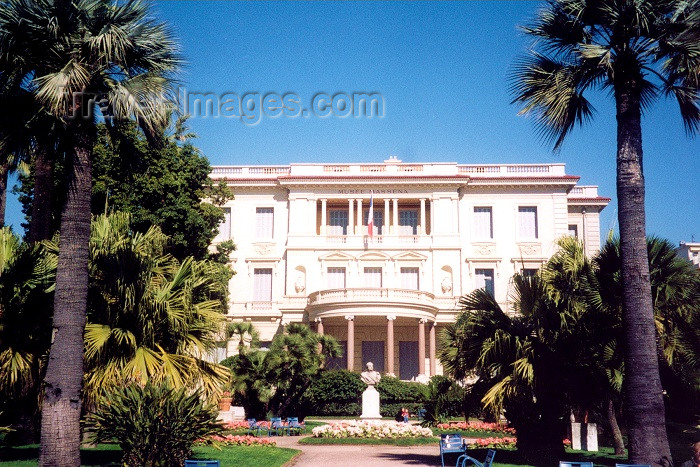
x=618 y=442
x=60 y=422
x=3 y=192
x=40 y=225
x=648 y=442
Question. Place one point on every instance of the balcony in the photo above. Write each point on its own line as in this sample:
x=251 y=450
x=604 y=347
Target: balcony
x=372 y=301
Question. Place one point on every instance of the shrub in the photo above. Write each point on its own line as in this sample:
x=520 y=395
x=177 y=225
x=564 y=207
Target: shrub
x=155 y=425
x=393 y=390
x=367 y=429
x=336 y=392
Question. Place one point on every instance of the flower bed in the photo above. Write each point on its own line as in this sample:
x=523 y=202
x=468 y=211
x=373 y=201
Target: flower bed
x=476 y=426
x=366 y=429
x=238 y=440
x=494 y=443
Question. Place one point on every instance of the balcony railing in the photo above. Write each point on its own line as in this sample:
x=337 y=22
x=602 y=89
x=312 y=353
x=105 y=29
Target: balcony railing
x=327 y=297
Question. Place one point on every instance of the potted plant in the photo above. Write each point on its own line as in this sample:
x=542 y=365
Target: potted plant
x=225 y=401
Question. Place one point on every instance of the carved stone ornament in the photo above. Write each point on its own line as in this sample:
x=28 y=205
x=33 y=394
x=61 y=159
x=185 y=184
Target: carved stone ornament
x=529 y=249
x=484 y=249
x=264 y=248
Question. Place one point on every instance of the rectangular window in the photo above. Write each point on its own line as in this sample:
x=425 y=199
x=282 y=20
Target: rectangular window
x=336 y=278
x=264 y=222
x=338 y=222
x=408 y=222
x=408 y=360
x=573 y=230
x=527 y=222
x=224 y=227
x=262 y=285
x=373 y=277
x=373 y=351
x=528 y=272
x=483 y=279
x=378 y=216
x=409 y=278
x=483 y=223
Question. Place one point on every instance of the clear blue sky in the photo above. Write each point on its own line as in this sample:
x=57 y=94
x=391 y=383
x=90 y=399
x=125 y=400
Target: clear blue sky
x=442 y=71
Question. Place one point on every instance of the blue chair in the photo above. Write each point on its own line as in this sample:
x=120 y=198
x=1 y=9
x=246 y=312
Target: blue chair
x=632 y=465
x=464 y=458
x=575 y=464
x=254 y=427
x=277 y=426
x=451 y=443
x=198 y=463
x=293 y=425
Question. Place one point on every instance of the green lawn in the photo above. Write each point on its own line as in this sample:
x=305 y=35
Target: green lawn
x=109 y=455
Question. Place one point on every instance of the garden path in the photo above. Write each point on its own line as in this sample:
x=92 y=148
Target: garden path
x=342 y=455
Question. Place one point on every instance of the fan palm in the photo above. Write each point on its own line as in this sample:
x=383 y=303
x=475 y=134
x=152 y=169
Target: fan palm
x=294 y=361
x=523 y=357
x=73 y=54
x=245 y=333
x=146 y=320
x=27 y=276
x=636 y=49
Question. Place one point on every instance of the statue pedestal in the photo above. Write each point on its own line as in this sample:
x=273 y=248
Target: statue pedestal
x=370 y=404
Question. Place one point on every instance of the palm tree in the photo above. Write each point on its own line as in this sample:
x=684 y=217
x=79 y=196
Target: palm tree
x=622 y=46
x=525 y=359
x=147 y=320
x=27 y=276
x=74 y=54
x=295 y=359
x=245 y=332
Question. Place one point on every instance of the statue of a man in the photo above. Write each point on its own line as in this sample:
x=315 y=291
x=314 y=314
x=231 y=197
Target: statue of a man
x=369 y=376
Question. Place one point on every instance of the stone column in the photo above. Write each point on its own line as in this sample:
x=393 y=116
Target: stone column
x=431 y=348
x=421 y=347
x=390 y=344
x=422 y=217
x=351 y=223
x=358 y=230
x=351 y=342
x=323 y=216
x=385 y=228
x=432 y=217
x=319 y=329
x=395 y=222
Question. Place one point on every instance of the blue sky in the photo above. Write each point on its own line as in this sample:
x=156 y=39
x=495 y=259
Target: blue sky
x=441 y=68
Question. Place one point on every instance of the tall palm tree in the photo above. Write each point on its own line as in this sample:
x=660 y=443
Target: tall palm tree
x=634 y=49
x=74 y=54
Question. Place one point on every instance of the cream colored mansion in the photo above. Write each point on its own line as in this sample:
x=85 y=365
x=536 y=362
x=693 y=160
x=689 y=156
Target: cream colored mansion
x=441 y=230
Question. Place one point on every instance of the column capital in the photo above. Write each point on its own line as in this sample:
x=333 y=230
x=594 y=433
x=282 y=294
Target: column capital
x=390 y=317
x=317 y=320
x=350 y=317
x=423 y=320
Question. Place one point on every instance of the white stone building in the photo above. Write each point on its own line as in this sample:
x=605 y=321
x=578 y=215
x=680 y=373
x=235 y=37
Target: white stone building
x=440 y=231
x=690 y=251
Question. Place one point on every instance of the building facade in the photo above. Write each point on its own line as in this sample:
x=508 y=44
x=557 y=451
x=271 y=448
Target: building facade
x=440 y=230
x=690 y=251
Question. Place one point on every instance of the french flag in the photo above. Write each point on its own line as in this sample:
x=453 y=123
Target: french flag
x=370 y=216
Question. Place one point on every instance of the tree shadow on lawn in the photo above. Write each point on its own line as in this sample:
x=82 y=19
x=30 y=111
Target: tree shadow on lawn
x=105 y=455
